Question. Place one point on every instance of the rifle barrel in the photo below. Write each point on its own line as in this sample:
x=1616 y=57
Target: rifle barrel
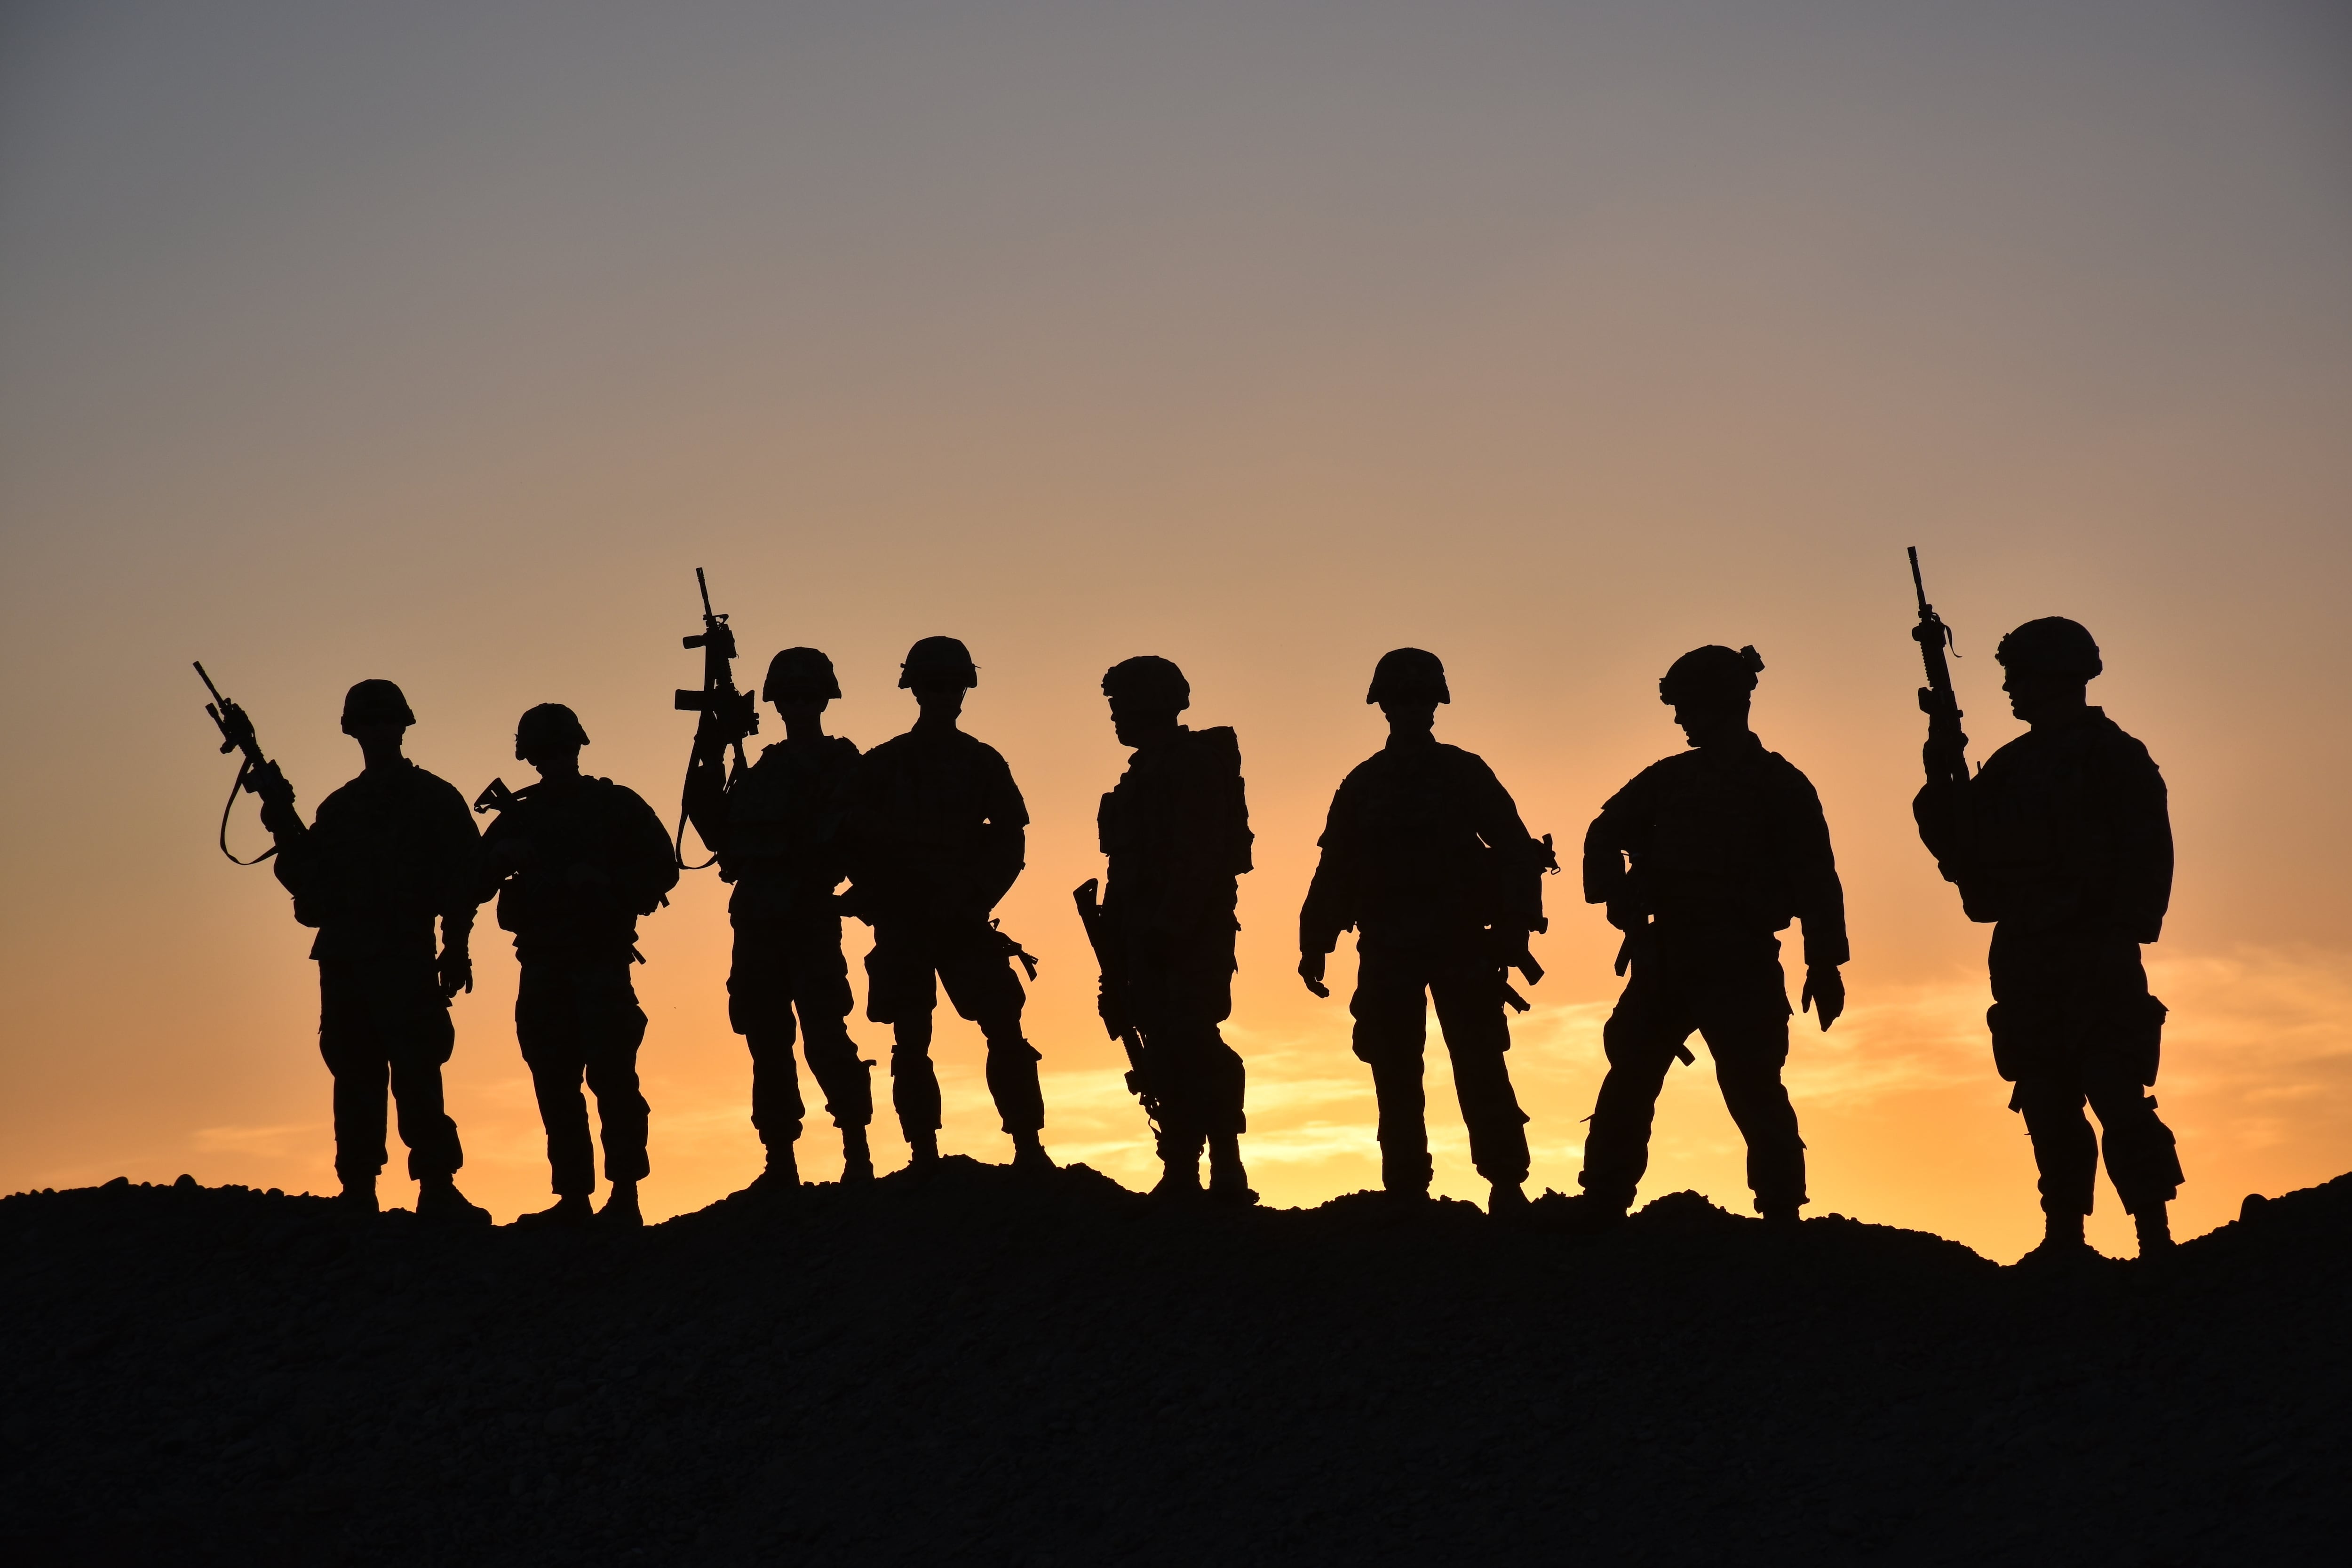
x=208 y=681
x=705 y=587
x=1917 y=586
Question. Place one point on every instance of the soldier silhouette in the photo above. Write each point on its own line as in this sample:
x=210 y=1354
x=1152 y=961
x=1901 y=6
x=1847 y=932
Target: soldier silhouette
x=389 y=854
x=938 y=838
x=1425 y=857
x=2064 y=844
x=1701 y=860
x=574 y=861
x=1176 y=833
x=777 y=829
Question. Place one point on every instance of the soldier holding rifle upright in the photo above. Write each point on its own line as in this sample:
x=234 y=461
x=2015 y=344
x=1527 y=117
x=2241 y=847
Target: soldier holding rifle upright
x=776 y=827
x=939 y=835
x=390 y=853
x=1176 y=833
x=2062 y=842
x=574 y=861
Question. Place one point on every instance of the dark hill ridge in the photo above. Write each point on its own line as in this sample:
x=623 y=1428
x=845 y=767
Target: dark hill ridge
x=983 y=1370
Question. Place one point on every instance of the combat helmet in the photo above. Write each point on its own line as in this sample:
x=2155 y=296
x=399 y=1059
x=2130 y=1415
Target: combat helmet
x=375 y=702
x=938 y=661
x=1148 y=679
x=550 y=724
x=2050 y=645
x=801 y=675
x=1711 y=673
x=1407 y=674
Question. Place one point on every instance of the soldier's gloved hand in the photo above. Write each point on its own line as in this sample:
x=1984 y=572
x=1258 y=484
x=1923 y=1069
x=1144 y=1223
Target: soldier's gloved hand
x=1825 y=992
x=457 y=970
x=1310 y=969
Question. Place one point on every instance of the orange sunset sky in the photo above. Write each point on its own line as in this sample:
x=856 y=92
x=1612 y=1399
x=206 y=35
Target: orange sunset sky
x=442 y=343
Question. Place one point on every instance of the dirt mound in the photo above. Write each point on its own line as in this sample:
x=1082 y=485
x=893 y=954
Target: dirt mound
x=994 y=1370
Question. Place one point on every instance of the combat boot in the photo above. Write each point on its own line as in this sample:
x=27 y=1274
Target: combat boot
x=856 y=1159
x=1507 y=1201
x=439 y=1202
x=1029 y=1155
x=1780 y=1216
x=922 y=1152
x=1228 y=1182
x=571 y=1211
x=1179 y=1168
x=782 y=1179
x=2063 y=1244
x=358 y=1197
x=620 y=1211
x=2155 y=1228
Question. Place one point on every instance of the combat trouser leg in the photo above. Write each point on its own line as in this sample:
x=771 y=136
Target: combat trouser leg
x=1391 y=1026
x=1747 y=1066
x=777 y=1108
x=1469 y=1005
x=843 y=1076
x=759 y=1007
x=2143 y=1160
x=555 y=1075
x=1639 y=1040
x=424 y=1123
x=617 y=1030
x=914 y=1082
x=361 y=1115
x=2066 y=1151
x=980 y=981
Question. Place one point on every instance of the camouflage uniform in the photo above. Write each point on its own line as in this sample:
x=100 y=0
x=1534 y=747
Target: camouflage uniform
x=1176 y=833
x=938 y=831
x=589 y=857
x=389 y=853
x=1701 y=859
x=1425 y=857
x=2064 y=842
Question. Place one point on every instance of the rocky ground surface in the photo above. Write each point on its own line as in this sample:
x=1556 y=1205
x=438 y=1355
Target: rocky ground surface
x=989 y=1370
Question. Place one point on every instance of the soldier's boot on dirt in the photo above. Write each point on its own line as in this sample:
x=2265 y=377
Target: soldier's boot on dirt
x=439 y=1202
x=1507 y=1201
x=620 y=1211
x=1029 y=1154
x=1228 y=1182
x=1780 y=1216
x=922 y=1152
x=2155 y=1228
x=856 y=1159
x=1179 y=1167
x=570 y=1210
x=358 y=1197
x=782 y=1176
x=2062 y=1244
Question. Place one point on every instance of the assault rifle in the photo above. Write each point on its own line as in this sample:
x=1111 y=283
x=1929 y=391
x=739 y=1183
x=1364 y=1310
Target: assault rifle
x=1946 y=745
x=496 y=796
x=1115 y=1016
x=727 y=715
x=256 y=774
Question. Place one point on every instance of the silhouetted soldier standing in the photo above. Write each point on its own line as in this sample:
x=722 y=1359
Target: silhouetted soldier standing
x=1701 y=859
x=1425 y=856
x=574 y=861
x=777 y=829
x=938 y=837
x=2064 y=843
x=1176 y=833
x=389 y=853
